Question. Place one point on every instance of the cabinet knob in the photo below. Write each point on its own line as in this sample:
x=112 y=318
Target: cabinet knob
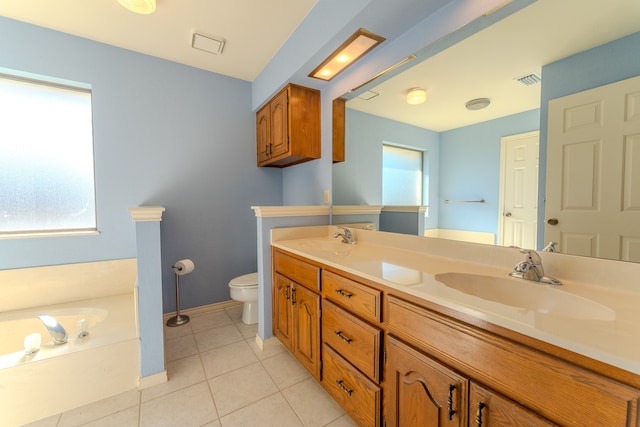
x=344 y=387
x=481 y=406
x=342 y=337
x=450 y=410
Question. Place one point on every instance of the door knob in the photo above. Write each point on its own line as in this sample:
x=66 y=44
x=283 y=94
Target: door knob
x=508 y=214
x=552 y=221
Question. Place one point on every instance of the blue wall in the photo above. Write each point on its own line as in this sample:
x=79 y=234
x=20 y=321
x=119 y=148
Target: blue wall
x=609 y=63
x=164 y=134
x=358 y=180
x=470 y=170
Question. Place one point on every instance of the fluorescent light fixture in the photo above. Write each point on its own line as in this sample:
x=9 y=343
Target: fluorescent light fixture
x=208 y=44
x=143 y=7
x=416 y=96
x=361 y=42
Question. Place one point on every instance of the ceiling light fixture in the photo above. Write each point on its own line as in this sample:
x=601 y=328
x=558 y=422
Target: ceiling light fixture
x=416 y=96
x=356 y=46
x=143 y=7
x=478 y=104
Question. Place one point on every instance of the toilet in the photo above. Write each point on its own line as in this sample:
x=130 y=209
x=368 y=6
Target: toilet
x=245 y=289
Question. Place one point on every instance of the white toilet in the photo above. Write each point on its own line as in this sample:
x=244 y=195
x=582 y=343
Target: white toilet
x=245 y=289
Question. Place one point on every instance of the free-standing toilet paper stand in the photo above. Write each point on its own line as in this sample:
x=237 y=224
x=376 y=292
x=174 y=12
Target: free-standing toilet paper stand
x=178 y=319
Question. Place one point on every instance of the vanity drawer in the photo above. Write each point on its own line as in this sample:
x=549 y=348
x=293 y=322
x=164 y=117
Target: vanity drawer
x=299 y=271
x=354 y=339
x=358 y=396
x=356 y=297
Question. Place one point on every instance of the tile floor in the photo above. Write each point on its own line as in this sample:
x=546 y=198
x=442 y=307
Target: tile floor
x=218 y=377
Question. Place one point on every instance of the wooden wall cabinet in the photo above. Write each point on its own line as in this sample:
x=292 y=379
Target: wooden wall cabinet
x=288 y=127
x=296 y=310
x=339 y=122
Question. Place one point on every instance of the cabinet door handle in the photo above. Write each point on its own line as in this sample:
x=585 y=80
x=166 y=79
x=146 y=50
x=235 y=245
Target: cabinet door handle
x=293 y=296
x=481 y=406
x=343 y=293
x=286 y=292
x=344 y=387
x=342 y=337
x=451 y=412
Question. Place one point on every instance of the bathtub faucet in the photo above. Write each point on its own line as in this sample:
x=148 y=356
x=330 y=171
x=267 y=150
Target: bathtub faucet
x=55 y=329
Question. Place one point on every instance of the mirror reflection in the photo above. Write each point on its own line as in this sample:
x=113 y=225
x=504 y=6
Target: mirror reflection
x=484 y=164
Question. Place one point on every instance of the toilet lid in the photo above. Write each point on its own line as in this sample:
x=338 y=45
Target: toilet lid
x=250 y=279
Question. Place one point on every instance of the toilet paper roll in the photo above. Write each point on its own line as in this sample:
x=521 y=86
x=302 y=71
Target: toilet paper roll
x=184 y=266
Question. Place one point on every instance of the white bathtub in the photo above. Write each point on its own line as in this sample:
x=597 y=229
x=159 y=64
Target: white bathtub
x=58 y=378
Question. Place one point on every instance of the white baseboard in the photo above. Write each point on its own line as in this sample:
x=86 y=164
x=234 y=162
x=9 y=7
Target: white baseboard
x=151 y=380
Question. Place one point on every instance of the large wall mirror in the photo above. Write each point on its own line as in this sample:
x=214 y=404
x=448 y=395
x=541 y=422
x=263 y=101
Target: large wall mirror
x=486 y=170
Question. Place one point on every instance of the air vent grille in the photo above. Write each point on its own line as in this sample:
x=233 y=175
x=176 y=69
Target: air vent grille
x=529 y=79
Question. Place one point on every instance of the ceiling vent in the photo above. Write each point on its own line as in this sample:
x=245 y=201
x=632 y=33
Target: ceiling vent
x=367 y=95
x=529 y=79
x=208 y=43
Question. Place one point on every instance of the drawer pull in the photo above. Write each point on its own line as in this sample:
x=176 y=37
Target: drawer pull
x=293 y=296
x=479 y=414
x=344 y=387
x=342 y=337
x=451 y=411
x=343 y=293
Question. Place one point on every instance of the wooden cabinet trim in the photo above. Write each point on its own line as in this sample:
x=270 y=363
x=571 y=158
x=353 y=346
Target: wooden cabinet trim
x=297 y=270
x=360 y=299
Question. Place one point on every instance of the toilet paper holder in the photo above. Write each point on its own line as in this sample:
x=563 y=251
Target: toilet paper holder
x=180 y=268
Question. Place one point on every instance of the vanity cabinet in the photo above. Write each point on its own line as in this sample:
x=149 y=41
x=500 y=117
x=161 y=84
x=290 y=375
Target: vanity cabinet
x=547 y=388
x=352 y=346
x=419 y=391
x=288 y=127
x=296 y=310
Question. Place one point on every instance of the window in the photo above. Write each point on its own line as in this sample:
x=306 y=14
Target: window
x=46 y=158
x=402 y=176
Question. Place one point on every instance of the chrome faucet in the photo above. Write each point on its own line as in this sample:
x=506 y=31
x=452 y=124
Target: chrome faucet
x=531 y=269
x=57 y=332
x=347 y=235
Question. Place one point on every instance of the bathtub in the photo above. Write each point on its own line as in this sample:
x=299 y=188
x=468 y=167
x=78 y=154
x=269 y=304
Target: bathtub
x=58 y=378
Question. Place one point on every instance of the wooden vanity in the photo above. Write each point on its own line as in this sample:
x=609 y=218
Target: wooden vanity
x=391 y=358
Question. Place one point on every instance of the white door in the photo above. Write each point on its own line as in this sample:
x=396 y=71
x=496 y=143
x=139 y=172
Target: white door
x=593 y=172
x=518 y=207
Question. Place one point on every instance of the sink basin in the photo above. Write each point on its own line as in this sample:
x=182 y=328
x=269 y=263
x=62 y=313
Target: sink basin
x=323 y=247
x=527 y=295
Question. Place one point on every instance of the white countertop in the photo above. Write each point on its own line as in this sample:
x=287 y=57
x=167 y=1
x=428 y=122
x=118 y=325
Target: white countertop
x=594 y=320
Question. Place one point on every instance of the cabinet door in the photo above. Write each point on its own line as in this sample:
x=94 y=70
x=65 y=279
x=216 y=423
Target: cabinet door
x=263 y=133
x=420 y=391
x=282 y=311
x=306 y=312
x=490 y=409
x=279 y=124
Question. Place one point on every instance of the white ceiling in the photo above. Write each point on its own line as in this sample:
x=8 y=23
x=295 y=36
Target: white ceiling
x=485 y=64
x=254 y=30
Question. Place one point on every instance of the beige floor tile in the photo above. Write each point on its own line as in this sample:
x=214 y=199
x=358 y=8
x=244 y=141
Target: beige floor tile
x=127 y=418
x=180 y=347
x=181 y=373
x=177 y=331
x=215 y=423
x=45 y=422
x=285 y=370
x=241 y=387
x=235 y=313
x=226 y=359
x=312 y=404
x=189 y=407
x=210 y=320
x=100 y=409
x=247 y=331
x=343 y=421
x=270 y=348
x=272 y=411
x=217 y=337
